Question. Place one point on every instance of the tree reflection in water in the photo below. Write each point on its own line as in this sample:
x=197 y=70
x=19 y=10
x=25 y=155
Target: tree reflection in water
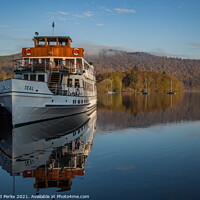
x=120 y=111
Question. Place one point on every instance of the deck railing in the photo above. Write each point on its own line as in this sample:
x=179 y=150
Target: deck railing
x=23 y=66
x=64 y=90
x=20 y=65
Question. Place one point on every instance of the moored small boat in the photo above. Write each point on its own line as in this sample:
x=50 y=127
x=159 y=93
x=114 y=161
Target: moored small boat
x=171 y=90
x=145 y=93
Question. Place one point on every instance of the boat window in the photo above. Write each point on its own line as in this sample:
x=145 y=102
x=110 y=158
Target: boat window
x=62 y=42
x=41 y=77
x=79 y=61
x=77 y=83
x=25 y=76
x=69 y=82
x=58 y=62
x=35 y=61
x=26 y=60
x=33 y=77
x=45 y=61
x=52 y=43
x=42 y=43
x=69 y=62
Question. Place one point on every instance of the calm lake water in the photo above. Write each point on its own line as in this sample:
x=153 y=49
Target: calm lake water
x=133 y=147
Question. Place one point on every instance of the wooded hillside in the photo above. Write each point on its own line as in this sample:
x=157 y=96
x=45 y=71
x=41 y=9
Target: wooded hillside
x=6 y=65
x=138 y=81
x=186 y=70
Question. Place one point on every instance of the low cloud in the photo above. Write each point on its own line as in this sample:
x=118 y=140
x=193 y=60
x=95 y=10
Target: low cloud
x=62 y=18
x=107 y=9
x=4 y=26
x=5 y=52
x=119 y=10
x=160 y=52
x=100 y=24
x=63 y=13
x=123 y=10
x=194 y=44
x=9 y=37
x=88 y=14
x=95 y=49
x=58 y=13
x=85 y=14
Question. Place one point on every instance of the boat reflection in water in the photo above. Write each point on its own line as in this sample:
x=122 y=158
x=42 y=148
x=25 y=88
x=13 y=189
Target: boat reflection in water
x=53 y=152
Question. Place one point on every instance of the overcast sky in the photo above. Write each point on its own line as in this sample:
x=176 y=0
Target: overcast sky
x=161 y=27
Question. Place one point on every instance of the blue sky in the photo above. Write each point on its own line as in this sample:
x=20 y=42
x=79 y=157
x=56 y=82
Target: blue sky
x=160 y=27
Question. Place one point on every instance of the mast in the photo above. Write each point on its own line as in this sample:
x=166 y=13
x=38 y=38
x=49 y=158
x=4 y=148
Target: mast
x=53 y=25
x=146 y=84
x=171 y=85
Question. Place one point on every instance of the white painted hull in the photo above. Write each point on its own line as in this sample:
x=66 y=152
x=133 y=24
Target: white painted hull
x=38 y=103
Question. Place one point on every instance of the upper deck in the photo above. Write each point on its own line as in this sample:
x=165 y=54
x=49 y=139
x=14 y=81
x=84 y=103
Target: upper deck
x=52 y=46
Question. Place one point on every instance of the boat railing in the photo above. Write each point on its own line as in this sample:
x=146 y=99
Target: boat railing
x=21 y=65
x=89 y=75
x=65 y=89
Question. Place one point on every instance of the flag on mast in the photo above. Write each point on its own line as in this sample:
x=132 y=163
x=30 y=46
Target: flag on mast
x=53 y=24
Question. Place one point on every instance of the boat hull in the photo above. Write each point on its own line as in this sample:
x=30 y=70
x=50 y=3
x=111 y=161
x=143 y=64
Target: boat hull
x=31 y=106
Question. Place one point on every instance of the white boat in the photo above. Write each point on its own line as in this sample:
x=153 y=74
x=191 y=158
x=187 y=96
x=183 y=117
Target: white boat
x=51 y=80
x=171 y=90
x=111 y=92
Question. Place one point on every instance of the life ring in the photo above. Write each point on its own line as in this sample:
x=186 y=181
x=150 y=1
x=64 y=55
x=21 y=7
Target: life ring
x=28 y=51
x=75 y=51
